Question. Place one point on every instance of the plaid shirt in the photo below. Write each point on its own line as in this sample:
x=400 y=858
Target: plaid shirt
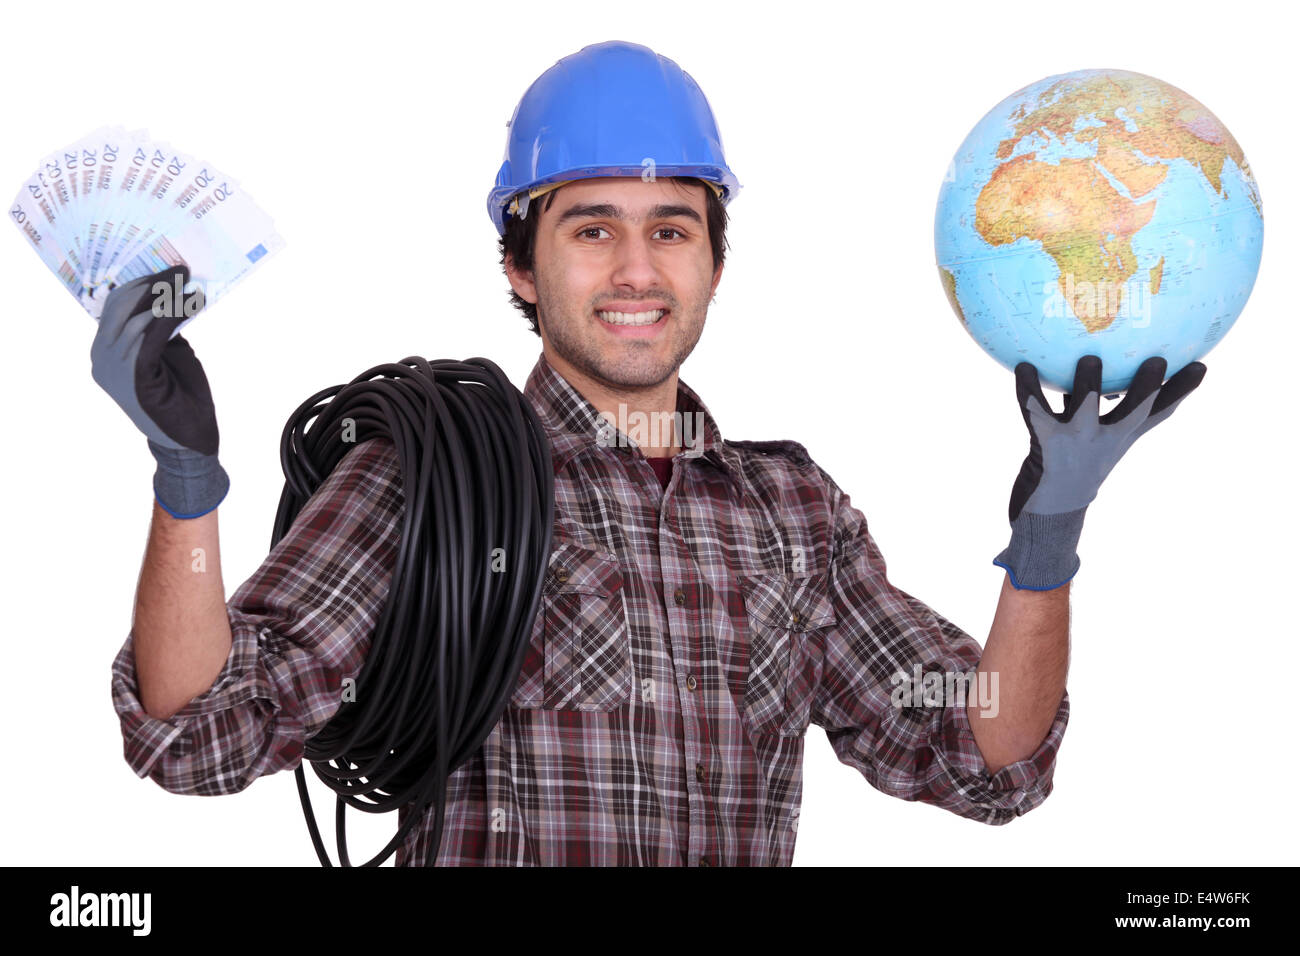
x=685 y=640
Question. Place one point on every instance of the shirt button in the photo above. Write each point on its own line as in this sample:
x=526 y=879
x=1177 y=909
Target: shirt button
x=561 y=574
x=699 y=772
x=704 y=861
x=691 y=683
x=796 y=618
x=679 y=597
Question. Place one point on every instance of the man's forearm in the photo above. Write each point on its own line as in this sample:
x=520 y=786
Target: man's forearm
x=181 y=633
x=1029 y=651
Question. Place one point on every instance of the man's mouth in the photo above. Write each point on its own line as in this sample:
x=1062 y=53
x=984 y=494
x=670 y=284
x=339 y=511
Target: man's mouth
x=632 y=319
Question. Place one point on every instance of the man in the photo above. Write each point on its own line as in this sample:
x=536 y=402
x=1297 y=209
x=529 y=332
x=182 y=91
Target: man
x=706 y=599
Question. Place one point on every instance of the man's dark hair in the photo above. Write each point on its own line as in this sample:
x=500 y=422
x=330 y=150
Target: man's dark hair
x=521 y=236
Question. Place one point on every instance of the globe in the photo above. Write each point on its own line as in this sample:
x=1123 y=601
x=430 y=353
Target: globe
x=1098 y=212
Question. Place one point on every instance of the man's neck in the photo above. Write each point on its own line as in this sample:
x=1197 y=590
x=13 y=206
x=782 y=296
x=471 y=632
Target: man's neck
x=643 y=413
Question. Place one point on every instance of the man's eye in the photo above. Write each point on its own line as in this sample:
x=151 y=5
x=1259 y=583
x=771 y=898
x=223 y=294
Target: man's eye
x=591 y=229
x=671 y=229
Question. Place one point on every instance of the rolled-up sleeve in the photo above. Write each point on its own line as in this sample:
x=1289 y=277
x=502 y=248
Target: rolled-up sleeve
x=912 y=746
x=300 y=627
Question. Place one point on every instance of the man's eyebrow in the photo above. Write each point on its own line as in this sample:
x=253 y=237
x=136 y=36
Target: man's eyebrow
x=610 y=211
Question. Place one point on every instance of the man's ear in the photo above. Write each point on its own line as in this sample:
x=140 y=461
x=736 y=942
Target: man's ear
x=521 y=281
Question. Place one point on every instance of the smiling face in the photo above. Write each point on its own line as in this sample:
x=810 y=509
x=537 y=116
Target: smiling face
x=623 y=277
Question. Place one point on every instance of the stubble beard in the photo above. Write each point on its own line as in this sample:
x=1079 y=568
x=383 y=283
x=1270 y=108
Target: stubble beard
x=632 y=365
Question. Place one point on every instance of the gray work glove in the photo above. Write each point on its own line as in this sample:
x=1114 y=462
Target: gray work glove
x=1070 y=454
x=159 y=383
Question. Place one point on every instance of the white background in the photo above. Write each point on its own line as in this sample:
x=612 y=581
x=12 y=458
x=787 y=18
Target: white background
x=372 y=134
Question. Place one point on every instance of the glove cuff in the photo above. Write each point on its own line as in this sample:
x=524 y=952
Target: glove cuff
x=1041 y=555
x=187 y=483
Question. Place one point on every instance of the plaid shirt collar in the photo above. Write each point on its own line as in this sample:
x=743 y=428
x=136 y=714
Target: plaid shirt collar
x=574 y=425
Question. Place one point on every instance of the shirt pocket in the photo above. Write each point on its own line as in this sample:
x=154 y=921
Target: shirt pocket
x=579 y=656
x=788 y=617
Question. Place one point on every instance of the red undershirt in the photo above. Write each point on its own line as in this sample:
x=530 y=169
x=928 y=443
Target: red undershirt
x=663 y=468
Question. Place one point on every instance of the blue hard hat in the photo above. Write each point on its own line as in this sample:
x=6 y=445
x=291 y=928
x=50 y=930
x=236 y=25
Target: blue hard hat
x=611 y=109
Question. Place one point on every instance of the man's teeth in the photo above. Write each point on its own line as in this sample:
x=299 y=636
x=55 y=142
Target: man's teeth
x=632 y=318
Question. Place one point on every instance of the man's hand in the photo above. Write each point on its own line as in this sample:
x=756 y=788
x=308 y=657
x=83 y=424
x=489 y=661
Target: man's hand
x=160 y=384
x=1070 y=454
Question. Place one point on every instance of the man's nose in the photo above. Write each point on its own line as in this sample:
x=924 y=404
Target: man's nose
x=635 y=261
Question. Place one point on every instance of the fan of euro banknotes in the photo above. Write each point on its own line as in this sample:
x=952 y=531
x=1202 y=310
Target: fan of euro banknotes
x=116 y=205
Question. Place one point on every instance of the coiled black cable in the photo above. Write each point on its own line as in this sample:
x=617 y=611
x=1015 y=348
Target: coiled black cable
x=448 y=646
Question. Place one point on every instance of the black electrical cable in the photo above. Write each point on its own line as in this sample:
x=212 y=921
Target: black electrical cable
x=475 y=467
